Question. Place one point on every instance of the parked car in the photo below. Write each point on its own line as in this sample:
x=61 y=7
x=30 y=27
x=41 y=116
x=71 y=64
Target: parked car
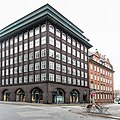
x=118 y=102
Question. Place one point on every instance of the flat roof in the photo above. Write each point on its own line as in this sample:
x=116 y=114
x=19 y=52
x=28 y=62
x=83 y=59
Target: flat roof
x=45 y=10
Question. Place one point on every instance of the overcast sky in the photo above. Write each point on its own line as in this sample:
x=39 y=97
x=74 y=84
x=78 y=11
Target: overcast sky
x=99 y=19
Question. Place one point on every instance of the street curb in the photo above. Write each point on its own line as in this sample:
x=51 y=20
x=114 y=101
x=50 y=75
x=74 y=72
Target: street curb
x=98 y=115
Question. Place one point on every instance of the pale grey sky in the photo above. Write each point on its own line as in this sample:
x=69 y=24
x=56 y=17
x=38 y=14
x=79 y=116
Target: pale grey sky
x=99 y=19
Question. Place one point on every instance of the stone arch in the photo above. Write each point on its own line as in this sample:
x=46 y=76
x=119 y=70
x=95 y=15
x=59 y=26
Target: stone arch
x=6 y=95
x=20 y=95
x=74 y=96
x=36 y=95
x=58 y=96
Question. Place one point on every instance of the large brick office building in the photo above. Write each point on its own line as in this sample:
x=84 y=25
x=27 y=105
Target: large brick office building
x=44 y=59
x=101 y=78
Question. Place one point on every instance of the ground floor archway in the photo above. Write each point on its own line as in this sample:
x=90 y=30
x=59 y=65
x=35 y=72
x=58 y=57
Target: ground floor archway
x=6 y=95
x=37 y=95
x=20 y=95
x=58 y=96
x=74 y=96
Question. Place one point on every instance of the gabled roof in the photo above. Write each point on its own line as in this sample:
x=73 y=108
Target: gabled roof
x=46 y=10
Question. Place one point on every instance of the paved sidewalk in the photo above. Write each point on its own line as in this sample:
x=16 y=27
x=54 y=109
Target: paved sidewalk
x=114 y=109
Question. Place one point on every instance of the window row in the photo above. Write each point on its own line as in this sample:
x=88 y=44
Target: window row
x=59 y=67
x=56 y=78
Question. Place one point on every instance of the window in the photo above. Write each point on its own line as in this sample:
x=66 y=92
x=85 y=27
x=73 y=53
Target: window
x=25 y=57
x=20 y=69
x=51 y=53
x=37 y=66
x=43 y=76
x=74 y=71
x=57 y=44
x=20 y=48
x=64 y=68
x=7 y=71
x=63 y=58
x=11 y=41
x=37 y=78
x=37 y=31
x=43 y=52
x=57 y=55
x=15 y=39
x=15 y=80
x=58 y=68
x=7 y=52
x=37 y=54
x=11 y=61
x=43 y=65
x=86 y=83
x=2 y=72
x=63 y=36
x=51 y=77
x=78 y=73
x=3 y=53
x=31 y=56
x=81 y=55
x=81 y=47
x=82 y=65
x=69 y=60
x=11 y=71
x=63 y=47
x=3 y=45
x=31 y=67
x=82 y=74
x=31 y=44
x=25 y=68
x=82 y=82
x=51 y=29
x=20 y=38
x=20 y=79
x=78 y=63
x=43 y=28
x=25 y=79
x=85 y=57
x=31 y=33
x=25 y=35
x=63 y=79
x=37 y=42
x=69 y=39
x=31 y=78
x=20 y=58
x=15 y=50
x=78 y=54
x=86 y=66
x=51 y=65
x=85 y=75
x=43 y=40
x=85 y=49
x=69 y=80
x=51 y=40
x=11 y=51
x=11 y=80
x=58 y=78
x=69 y=49
x=15 y=70
x=7 y=43
x=25 y=46
x=74 y=62
x=78 y=45
x=3 y=63
x=74 y=42
x=74 y=81
x=74 y=52
x=57 y=33
x=7 y=62
x=78 y=82
x=69 y=70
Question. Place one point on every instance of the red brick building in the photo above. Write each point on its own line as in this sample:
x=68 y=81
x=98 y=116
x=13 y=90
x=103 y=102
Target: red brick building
x=100 y=78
